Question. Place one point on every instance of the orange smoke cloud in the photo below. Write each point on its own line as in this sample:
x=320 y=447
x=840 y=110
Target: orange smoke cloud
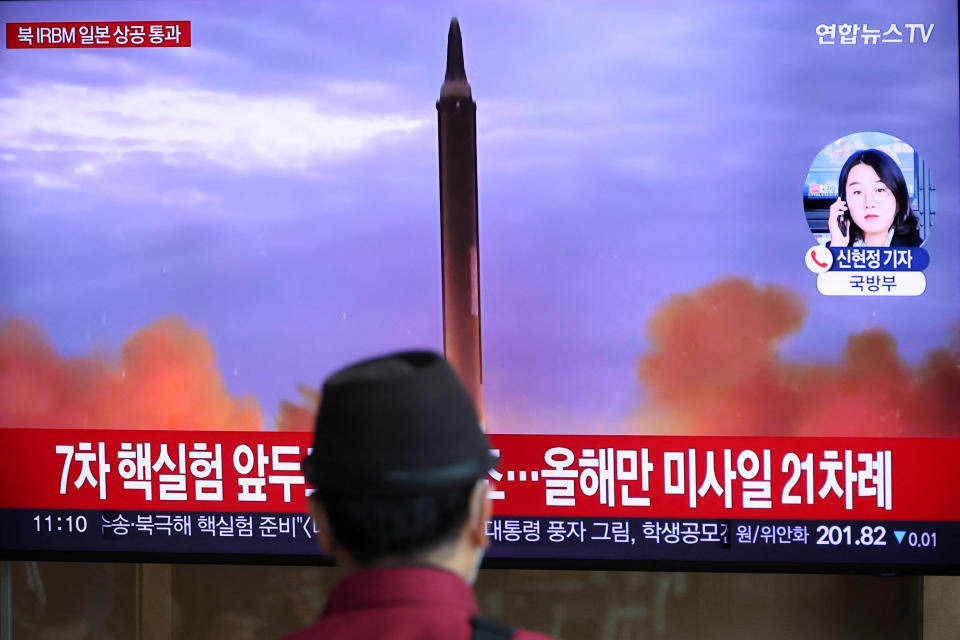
x=299 y=417
x=714 y=367
x=165 y=378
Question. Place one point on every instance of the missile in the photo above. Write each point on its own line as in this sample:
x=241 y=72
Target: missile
x=459 y=236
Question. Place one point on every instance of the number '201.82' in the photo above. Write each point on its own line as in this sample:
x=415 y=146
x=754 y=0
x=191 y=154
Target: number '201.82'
x=836 y=535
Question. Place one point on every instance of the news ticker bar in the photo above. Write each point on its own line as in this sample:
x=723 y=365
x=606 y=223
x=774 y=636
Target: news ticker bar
x=23 y=531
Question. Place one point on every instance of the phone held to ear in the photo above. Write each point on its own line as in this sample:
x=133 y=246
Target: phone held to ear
x=842 y=223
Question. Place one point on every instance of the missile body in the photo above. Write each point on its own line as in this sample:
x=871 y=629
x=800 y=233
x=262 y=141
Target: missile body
x=459 y=243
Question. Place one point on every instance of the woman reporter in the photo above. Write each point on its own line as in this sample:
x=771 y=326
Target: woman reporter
x=873 y=209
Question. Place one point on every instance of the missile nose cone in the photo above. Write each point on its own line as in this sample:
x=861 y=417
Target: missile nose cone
x=455 y=81
x=455 y=70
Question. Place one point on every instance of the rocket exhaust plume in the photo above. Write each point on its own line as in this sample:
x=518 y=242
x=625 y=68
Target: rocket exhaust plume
x=714 y=367
x=165 y=378
x=459 y=241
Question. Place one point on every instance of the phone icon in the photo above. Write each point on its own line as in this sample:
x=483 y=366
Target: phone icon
x=818 y=259
x=813 y=256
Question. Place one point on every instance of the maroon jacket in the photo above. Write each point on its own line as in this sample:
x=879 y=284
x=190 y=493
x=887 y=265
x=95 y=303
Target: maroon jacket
x=407 y=603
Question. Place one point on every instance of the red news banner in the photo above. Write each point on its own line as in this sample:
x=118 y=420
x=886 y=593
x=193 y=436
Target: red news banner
x=539 y=475
x=98 y=35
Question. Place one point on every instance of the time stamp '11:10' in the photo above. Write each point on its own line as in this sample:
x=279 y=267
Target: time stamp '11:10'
x=872 y=536
x=49 y=524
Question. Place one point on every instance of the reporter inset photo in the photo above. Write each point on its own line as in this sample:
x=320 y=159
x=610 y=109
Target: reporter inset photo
x=869 y=189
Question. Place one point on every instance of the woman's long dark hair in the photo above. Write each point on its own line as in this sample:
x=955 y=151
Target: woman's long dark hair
x=905 y=221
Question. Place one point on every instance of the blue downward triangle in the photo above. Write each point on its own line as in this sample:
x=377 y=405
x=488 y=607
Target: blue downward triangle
x=899 y=535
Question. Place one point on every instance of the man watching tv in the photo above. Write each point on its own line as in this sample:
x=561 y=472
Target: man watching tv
x=398 y=463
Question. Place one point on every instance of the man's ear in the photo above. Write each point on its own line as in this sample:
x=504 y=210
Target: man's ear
x=481 y=508
x=329 y=544
x=324 y=532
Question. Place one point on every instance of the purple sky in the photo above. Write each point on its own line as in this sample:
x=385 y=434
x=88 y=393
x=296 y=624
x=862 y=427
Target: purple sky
x=276 y=183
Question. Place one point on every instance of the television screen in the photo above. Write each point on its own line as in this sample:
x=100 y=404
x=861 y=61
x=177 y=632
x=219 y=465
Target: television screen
x=697 y=265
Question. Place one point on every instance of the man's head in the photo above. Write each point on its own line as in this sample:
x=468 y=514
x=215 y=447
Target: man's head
x=398 y=462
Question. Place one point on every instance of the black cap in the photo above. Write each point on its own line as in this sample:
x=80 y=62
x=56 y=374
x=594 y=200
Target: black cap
x=400 y=424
